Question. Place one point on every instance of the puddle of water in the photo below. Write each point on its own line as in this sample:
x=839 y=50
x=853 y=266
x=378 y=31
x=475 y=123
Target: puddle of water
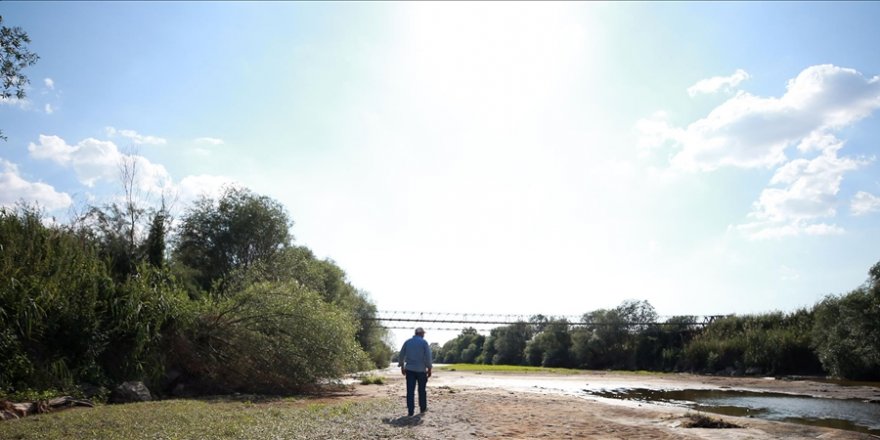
x=853 y=415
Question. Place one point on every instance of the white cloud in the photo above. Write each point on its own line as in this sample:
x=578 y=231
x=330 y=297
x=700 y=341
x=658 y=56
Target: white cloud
x=817 y=141
x=771 y=230
x=751 y=132
x=809 y=194
x=193 y=187
x=135 y=137
x=209 y=141
x=14 y=188
x=864 y=202
x=49 y=109
x=748 y=131
x=23 y=104
x=655 y=131
x=53 y=148
x=94 y=160
x=823 y=229
x=717 y=83
x=151 y=177
x=50 y=83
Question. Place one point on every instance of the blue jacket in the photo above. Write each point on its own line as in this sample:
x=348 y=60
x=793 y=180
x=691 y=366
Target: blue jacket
x=416 y=355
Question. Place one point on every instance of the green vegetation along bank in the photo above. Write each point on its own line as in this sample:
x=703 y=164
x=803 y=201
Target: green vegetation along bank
x=218 y=301
x=839 y=337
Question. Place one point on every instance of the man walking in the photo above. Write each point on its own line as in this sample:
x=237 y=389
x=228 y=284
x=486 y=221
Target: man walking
x=415 y=363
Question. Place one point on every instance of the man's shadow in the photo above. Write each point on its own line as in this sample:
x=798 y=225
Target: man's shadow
x=404 y=421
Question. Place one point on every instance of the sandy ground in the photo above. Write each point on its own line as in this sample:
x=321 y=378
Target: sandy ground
x=481 y=405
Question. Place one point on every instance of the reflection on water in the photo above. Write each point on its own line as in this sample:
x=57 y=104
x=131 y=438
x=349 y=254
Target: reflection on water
x=853 y=415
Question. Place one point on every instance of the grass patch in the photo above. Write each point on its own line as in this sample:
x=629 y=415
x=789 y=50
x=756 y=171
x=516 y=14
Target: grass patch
x=372 y=379
x=704 y=421
x=216 y=419
x=507 y=369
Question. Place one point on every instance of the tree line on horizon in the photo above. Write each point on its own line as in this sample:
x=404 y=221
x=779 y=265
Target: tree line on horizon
x=839 y=337
x=221 y=300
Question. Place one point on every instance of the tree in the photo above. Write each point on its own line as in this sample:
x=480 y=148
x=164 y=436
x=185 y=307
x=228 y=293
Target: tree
x=119 y=228
x=874 y=278
x=510 y=343
x=108 y=227
x=243 y=238
x=14 y=58
x=464 y=348
x=637 y=315
x=550 y=347
x=234 y=233
x=846 y=331
x=597 y=343
x=370 y=334
x=609 y=338
x=133 y=209
x=661 y=347
x=538 y=322
x=155 y=244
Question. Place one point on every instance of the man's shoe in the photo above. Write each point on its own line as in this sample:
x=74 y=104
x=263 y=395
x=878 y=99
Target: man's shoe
x=423 y=410
x=409 y=414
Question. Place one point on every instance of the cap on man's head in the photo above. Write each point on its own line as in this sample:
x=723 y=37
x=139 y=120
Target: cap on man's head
x=420 y=331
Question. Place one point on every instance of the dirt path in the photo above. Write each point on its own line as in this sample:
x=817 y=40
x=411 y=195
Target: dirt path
x=469 y=405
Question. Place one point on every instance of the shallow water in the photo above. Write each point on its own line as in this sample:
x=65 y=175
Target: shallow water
x=853 y=415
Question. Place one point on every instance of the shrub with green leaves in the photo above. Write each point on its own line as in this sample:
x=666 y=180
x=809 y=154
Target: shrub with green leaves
x=269 y=338
x=846 y=334
x=63 y=319
x=772 y=343
x=139 y=320
x=52 y=290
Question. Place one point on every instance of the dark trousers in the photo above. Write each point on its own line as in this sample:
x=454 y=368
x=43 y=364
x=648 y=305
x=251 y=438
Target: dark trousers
x=412 y=378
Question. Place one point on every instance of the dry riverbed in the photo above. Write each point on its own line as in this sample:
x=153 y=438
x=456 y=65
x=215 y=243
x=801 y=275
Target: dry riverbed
x=462 y=405
x=526 y=406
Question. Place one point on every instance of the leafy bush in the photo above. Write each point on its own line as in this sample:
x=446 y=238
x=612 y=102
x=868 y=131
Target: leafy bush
x=64 y=321
x=52 y=290
x=846 y=334
x=372 y=379
x=269 y=338
x=138 y=321
x=238 y=308
x=772 y=343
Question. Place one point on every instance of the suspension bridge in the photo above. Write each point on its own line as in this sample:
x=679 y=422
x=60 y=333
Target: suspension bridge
x=483 y=322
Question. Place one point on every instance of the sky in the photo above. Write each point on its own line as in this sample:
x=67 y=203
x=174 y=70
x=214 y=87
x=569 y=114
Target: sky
x=522 y=158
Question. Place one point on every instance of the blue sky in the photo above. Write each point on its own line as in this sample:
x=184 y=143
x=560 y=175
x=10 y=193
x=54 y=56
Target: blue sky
x=710 y=158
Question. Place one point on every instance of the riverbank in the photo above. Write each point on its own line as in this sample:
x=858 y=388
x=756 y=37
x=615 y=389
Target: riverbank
x=526 y=406
x=463 y=405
